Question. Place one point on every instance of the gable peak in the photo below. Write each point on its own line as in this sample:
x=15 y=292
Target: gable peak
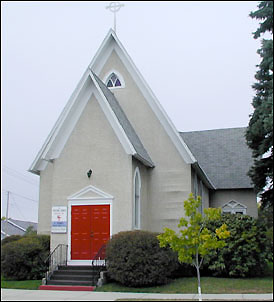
x=90 y=192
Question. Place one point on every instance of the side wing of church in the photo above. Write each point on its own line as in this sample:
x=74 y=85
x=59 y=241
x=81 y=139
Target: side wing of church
x=115 y=162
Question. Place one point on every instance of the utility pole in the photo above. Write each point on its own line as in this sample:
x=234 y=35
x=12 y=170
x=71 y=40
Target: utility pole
x=7 y=211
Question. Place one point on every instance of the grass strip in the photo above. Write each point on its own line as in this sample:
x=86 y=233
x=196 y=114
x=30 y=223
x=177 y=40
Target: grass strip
x=26 y=284
x=210 y=285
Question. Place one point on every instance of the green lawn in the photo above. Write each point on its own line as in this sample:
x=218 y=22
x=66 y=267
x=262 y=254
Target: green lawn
x=210 y=285
x=26 y=284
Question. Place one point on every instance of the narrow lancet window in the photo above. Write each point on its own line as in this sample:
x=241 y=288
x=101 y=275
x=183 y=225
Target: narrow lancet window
x=136 y=201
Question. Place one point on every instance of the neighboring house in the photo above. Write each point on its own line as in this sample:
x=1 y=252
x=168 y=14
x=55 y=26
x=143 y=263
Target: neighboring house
x=15 y=227
x=115 y=162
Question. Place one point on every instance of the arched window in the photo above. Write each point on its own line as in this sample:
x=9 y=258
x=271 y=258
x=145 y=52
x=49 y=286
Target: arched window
x=234 y=207
x=113 y=81
x=137 y=200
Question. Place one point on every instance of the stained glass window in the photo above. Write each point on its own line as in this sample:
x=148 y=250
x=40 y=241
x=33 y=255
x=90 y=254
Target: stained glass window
x=113 y=81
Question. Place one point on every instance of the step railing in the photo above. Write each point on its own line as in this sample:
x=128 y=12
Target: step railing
x=99 y=259
x=56 y=258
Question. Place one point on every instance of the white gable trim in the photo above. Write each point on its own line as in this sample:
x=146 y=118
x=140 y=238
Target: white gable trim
x=79 y=195
x=234 y=207
x=52 y=148
x=41 y=161
x=66 y=122
x=97 y=64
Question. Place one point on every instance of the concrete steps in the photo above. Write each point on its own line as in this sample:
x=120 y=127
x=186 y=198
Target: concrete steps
x=75 y=276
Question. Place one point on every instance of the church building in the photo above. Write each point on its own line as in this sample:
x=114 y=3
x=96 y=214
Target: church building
x=115 y=162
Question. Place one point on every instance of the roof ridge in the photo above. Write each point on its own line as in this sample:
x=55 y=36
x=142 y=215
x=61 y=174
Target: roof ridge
x=244 y=127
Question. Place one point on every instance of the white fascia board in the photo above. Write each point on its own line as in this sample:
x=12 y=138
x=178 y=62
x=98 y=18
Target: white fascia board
x=17 y=226
x=66 y=122
x=96 y=65
x=203 y=175
x=41 y=160
x=70 y=120
x=116 y=126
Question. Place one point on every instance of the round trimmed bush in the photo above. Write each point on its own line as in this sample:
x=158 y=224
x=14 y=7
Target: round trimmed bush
x=134 y=258
x=23 y=259
x=247 y=249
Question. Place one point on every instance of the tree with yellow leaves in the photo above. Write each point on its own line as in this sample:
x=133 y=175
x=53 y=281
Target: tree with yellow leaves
x=194 y=240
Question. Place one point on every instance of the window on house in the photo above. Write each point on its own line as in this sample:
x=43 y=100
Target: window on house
x=137 y=201
x=234 y=207
x=198 y=191
x=195 y=186
x=113 y=81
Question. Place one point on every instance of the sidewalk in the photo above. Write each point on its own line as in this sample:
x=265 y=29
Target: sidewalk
x=46 y=295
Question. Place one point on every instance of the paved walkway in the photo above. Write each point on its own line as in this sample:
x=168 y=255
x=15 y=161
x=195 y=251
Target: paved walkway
x=46 y=295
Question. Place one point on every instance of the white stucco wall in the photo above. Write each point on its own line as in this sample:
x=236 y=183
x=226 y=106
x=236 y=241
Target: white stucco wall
x=92 y=145
x=169 y=183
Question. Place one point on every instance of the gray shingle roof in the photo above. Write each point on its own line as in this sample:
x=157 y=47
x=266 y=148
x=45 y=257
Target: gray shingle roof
x=142 y=154
x=16 y=227
x=223 y=155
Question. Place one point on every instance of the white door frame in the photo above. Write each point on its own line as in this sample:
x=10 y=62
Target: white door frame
x=77 y=200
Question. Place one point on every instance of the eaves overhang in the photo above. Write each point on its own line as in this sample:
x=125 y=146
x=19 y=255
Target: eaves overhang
x=201 y=173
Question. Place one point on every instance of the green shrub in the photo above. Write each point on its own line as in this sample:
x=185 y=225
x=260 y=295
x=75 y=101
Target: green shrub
x=247 y=249
x=184 y=270
x=10 y=239
x=135 y=259
x=23 y=259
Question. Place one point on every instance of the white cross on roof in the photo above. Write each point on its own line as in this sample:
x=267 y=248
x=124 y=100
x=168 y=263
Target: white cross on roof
x=114 y=7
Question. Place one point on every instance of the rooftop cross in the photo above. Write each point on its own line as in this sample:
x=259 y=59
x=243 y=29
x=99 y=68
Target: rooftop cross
x=114 y=7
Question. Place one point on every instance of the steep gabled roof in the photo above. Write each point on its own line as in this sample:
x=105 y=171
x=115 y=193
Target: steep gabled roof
x=110 y=43
x=141 y=152
x=56 y=140
x=223 y=155
x=61 y=131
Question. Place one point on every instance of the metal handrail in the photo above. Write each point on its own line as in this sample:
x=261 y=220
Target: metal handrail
x=57 y=257
x=98 y=256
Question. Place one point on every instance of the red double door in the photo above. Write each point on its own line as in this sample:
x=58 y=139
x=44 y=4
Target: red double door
x=90 y=229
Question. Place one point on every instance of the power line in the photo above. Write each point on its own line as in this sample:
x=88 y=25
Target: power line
x=21 y=196
x=17 y=208
x=18 y=175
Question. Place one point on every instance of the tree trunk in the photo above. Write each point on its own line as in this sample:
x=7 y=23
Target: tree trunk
x=198 y=276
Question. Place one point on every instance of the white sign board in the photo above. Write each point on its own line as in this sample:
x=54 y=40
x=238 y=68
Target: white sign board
x=59 y=219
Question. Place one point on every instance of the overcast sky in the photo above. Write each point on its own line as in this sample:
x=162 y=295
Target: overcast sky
x=199 y=59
